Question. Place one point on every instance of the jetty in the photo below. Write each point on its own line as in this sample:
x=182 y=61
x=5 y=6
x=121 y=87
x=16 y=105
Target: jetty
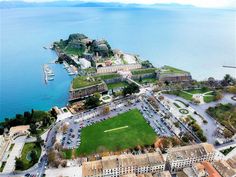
x=48 y=73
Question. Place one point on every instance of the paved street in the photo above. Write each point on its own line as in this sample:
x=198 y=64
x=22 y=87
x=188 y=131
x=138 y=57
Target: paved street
x=16 y=152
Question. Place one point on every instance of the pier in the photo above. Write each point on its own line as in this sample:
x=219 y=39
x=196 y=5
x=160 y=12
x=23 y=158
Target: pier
x=48 y=73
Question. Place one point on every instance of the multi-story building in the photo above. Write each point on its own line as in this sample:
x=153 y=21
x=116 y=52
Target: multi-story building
x=125 y=164
x=115 y=68
x=182 y=157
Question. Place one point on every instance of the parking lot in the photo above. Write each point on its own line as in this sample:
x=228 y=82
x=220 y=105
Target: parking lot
x=71 y=138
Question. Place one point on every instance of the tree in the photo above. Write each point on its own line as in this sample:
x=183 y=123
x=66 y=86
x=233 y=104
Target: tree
x=39 y=141
x=218 y=95
x=106 y=110
x=33 y=129
x=92 y=102
x=228 y=79
x=140 y=79
x=51 y=156
x=227 y=133
x=19 y=164
x=34 y=158
x=97 y=95
x=64 y=127
x=130 y=89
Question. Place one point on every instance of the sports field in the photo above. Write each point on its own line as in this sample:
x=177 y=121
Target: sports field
x=124 y=131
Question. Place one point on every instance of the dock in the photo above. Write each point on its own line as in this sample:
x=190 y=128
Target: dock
x=48 y=73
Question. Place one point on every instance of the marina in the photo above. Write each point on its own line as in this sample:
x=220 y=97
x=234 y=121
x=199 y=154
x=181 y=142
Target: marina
x=70 y=69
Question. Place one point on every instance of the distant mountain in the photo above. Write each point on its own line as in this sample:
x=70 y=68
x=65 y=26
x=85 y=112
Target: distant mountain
x=22 y=4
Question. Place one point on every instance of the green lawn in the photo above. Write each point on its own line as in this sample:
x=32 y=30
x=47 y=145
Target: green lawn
x=136 y=132
x=209 y=98
x=171 y=70
x=116 y=85
x=83 y=81
x=28 y=147
x=108 y=76
x=143 y=71
x=147 y=80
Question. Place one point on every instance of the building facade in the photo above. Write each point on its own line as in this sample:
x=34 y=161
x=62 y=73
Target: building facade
x=121 y=165
x=115 y=68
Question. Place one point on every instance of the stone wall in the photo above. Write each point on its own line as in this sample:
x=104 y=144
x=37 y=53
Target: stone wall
x=87 y=91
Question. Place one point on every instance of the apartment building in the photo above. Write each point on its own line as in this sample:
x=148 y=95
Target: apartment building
x=182 y=157
x=114 y=166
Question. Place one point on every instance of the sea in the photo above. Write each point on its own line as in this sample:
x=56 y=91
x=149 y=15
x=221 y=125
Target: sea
x=193 y=39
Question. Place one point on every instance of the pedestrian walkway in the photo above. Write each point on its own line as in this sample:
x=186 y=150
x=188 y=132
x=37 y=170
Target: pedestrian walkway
x=16 y=152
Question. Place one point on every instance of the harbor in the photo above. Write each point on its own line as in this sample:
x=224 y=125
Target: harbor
x=48 y=73
x=70 y=69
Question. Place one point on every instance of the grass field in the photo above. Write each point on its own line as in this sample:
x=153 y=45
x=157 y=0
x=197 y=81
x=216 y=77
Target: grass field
x=116 y=85
x=96 y=138
x=28 y=147
x=83 y=81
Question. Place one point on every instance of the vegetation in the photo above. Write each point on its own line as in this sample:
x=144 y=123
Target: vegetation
x=137 y=132
x=147 y=80
x=67 y=153
x=177 y=106
x=29 y=156
x=147 y=64
x=195 y=127
x=92 y=102
x=2 y=166
x=130 y=89
x=116 y=85
x=29 y=118
x=108 y=76
x=171 y=70
x=144 y=71
x=84 y=81
x=231 y=89
x=224 y=114
x=226 y=151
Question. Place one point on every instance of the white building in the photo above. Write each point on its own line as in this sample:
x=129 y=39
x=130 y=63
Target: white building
x=181 y=157
x=84 y=63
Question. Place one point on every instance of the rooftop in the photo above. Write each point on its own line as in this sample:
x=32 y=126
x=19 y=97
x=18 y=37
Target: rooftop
x=232 y=162
x=164 y=174
x=20 y=128
x=224 y=168
x=109 y=162
x=124 y=160
x=190 y=151
x=89 y=168
x=84 y=81
x=210 y=170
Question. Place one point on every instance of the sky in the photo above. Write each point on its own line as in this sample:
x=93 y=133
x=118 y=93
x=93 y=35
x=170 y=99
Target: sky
x=197 y=3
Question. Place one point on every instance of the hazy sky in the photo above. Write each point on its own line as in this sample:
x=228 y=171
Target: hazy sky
x=198 y=3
